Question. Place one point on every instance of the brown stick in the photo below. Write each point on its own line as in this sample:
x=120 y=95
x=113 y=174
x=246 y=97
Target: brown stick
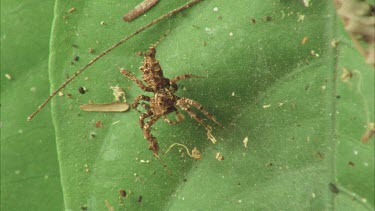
x=139 y=10
x=186 y=6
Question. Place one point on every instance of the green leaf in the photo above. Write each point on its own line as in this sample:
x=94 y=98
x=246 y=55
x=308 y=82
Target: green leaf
x=304 y=124
x=30 y=177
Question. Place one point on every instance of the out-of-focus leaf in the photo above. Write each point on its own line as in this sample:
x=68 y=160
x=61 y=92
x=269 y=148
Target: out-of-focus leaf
x=30 y=177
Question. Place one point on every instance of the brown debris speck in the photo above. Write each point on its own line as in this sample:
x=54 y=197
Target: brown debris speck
x=72 y=9
x=122 y=193
x=253 y=21
x=99 y=124
x=139 y=199
x=369 y=133
x=82 y=90
x=304 y=40
x=333 y=188
x=267 y=18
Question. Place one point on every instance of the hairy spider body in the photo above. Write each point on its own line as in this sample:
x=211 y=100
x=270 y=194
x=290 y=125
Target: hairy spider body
x=163 y=101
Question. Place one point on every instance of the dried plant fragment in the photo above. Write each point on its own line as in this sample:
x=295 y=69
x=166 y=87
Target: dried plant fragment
x=346 y=75
x=219 y=156
x=195 y=153
x=8 y=76
x=108 y=107
x=118 y=93
x=109 y=206
x=369 y=133
x=245 y=140
x=304 y=40
x=72 y=9
x=139 y=10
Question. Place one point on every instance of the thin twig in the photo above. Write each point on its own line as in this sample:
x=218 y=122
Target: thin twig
x=139 y=10
x=186 y=6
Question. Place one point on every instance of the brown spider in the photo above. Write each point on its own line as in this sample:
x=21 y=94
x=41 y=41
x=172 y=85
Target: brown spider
x=164 y=101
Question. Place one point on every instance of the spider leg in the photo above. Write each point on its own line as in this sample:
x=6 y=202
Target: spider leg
x=179 y=116
x=183 y=101
x=137 y=81
x=138 y=98
x=194 y=116
x=152 y=142
x=142 y=118
x=182 y=77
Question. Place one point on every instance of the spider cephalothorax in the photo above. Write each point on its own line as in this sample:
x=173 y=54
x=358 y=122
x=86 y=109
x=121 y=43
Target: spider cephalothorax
x=163 y=101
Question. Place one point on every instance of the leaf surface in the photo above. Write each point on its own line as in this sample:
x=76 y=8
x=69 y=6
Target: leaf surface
x=260 y=81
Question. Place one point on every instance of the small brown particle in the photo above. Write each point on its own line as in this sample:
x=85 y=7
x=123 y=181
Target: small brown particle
x=253 y=21
x=333 y=188
x=122 y=193
x=72 y=9
x=76 y=58
x=139 y=199
x=84 y=207
x=99 y=124
x=82 y=90
x=304 y=40
x=69 y=96
x=91 y=50
x=350 y=163
x=320 y=155
x=369 y=133
x=267 y=18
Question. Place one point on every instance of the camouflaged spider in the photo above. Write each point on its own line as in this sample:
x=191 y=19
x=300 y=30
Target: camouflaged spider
x=164 y=101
